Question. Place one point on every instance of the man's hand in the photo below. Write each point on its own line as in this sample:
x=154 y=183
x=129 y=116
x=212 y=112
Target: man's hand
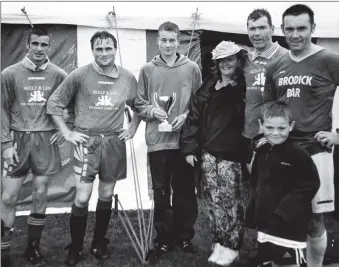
x=75 y=138
x=190 y=159
x=327 y=138
x=10 y=155
x=177 y=123
x=56 y=138
x=159 y=114
x=125 y=135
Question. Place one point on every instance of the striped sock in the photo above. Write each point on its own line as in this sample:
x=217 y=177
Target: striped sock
x=36 y=223
x=6 y=237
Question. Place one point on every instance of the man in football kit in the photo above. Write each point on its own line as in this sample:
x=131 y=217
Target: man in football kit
x=28 y=138
x=260 y=31
x=100 y=91
x=306 y=79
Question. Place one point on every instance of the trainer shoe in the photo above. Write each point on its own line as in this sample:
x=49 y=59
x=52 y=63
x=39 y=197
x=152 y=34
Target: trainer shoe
x=74 y=255
x=33 y=253
x=215 y=254
x=99 y=250
x=226 y=256
x=187 y=246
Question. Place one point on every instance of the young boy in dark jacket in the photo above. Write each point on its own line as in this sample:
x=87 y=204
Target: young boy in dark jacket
x=284 y=180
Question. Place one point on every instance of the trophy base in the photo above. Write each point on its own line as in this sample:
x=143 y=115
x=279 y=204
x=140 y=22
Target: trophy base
x=165 y=127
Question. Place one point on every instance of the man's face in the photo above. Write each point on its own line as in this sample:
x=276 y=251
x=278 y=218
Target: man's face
x=38 y=47
x=228 y=65
x=168 y=43
x=298 y=31
x=260 y=33
x=104 y=52
x=276 y=129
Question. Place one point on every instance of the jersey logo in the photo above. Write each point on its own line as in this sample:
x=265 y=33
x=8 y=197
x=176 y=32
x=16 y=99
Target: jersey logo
x=37 y=96
x=285 y=163
x=259 y=79
x=104 y=101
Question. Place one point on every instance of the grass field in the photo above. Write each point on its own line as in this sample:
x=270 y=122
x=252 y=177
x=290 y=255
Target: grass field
x=56 y=236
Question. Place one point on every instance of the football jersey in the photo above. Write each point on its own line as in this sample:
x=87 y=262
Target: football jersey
x=255 y=71
x=307 y=86
x=99 y=100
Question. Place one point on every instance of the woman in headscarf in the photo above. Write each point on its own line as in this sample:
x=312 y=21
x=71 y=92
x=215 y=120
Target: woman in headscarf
x=212 y=138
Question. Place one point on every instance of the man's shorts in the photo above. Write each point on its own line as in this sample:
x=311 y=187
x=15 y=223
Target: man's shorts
x=102 y=154
x=323 y=201
x=268 y=252
x=35 y=152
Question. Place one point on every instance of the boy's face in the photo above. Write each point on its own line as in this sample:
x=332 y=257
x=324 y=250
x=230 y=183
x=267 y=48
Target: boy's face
x=168 y=43
x=276 y=129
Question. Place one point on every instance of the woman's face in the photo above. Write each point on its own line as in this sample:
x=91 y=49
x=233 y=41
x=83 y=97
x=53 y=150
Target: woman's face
x=228 y=65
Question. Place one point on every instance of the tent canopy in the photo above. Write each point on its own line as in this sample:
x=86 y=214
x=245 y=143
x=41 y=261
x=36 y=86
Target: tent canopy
x=214 y=16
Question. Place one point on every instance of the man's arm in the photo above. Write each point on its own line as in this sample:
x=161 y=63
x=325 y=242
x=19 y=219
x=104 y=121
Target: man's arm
x=269 y=93
x=7 y=97
x=58 y=101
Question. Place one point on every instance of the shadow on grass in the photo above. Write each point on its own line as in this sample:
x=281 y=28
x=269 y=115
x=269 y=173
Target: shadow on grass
x=56 y=236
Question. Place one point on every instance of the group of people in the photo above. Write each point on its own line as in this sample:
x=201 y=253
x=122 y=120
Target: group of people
x=262 y=116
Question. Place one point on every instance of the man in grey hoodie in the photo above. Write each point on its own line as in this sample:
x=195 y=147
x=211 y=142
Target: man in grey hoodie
x=165 y=87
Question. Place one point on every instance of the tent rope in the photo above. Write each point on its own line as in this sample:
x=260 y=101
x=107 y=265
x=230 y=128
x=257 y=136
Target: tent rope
x=23 y=10
x=195 y=17
x=116 y=29
x=140 y=243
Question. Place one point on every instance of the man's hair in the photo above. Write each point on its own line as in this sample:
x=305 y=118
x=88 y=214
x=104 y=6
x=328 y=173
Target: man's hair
x=103 y=35
x=169 y=27
x=259 y=13
x=297 y=10
x=275 y=109
x=39 y=32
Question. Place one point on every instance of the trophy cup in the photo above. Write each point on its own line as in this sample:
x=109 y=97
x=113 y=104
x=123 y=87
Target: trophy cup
x=165 y=103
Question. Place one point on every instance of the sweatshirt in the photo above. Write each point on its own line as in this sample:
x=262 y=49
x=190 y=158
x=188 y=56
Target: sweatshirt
x=158 y=79
x=99 y=100
x=285 y=180
x=24 y=94
x=215 y=121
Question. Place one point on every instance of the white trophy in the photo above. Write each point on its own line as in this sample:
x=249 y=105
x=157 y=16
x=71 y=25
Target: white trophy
x=166 y=103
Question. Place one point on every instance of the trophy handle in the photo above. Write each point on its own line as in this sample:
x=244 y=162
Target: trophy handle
x=172 y=105
x=155 y=96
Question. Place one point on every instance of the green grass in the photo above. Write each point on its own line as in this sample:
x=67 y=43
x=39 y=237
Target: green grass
x=56 y=236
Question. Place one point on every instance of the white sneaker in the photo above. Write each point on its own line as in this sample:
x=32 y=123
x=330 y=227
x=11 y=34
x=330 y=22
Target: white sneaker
x=226 y=256
x=215 y=254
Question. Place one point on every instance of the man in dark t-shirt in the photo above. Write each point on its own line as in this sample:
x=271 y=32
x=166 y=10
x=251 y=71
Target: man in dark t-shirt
x=306 y=79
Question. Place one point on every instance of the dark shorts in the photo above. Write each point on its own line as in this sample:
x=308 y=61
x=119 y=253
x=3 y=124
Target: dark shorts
x=104 y=155
x=36 y=153
x=280 y=255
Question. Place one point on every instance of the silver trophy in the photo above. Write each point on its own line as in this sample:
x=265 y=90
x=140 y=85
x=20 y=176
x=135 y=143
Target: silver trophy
x=166 y=103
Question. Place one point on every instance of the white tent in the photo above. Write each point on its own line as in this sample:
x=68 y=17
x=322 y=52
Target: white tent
x=134 y=19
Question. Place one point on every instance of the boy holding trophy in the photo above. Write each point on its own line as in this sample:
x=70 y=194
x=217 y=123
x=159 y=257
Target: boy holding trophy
x=164 y=90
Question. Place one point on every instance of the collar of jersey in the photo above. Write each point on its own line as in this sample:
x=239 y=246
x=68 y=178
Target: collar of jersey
x=298 y=59
x=114 y=74
x=30 y=65
x=268 y=53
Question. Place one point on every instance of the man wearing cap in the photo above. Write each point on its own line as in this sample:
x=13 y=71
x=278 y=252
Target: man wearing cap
x=260 y=30
x=212 y=134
